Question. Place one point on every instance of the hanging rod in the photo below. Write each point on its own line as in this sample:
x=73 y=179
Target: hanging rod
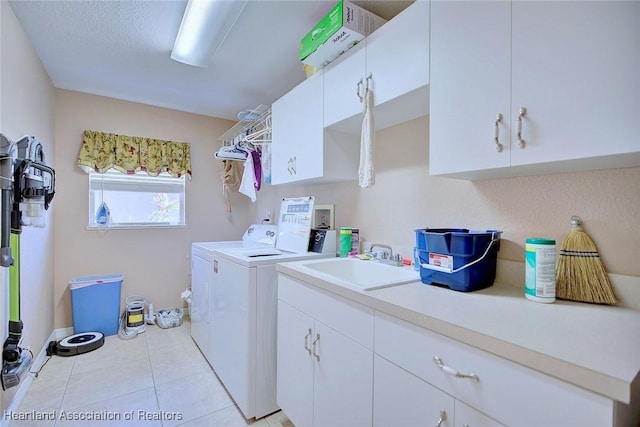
x=258 y=122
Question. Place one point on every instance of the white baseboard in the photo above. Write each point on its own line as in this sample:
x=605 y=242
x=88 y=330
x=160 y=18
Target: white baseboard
x=62 y=333
x=37 y=363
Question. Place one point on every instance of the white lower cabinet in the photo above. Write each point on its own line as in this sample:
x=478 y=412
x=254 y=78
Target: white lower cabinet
x=295 y=365
x=401 y=399
x=466 y=416
x=340 y=363
x=503 y=390
x=324 y=377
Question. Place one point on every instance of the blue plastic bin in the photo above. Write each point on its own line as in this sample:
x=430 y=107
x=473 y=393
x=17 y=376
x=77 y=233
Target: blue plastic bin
x=95 y=303
x=461 y=259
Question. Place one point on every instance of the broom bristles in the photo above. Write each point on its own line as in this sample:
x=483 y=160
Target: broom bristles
x=580 y=274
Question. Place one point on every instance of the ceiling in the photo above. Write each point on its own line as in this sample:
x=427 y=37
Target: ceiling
x=121 y=49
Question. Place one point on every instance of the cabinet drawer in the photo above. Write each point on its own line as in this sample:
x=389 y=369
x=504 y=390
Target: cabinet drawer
x=401 y=399
x=352 y=319
x=466 y=416
x=506 y=391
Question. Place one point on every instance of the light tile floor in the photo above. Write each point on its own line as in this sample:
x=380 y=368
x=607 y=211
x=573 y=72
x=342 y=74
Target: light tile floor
x=157 y=379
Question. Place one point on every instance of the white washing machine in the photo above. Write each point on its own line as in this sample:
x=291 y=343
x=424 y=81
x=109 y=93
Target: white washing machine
x=244 y=310
x=245 y=300
x=201 y=274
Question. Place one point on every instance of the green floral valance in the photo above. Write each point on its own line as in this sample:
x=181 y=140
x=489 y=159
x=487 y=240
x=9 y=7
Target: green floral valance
x=102 y=151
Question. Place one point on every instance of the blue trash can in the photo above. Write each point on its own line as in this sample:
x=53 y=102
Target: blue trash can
x=95 y=303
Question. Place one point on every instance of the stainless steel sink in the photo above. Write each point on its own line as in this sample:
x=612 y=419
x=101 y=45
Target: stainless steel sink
x=365 y=275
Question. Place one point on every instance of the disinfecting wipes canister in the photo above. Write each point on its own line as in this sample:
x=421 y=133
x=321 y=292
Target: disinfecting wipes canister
x=540 y=270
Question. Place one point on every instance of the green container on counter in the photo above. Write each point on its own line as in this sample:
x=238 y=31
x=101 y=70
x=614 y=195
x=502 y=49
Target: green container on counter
x=345 y=241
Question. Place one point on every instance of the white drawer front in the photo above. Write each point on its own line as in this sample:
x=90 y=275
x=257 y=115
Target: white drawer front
x=466 y=416
x=506 y=391
x=401 y=399
x=353 y=320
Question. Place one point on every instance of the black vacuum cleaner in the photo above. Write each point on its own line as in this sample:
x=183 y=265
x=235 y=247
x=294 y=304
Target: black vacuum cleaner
x=27 y=185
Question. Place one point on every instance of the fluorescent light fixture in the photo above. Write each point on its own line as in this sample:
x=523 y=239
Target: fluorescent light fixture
x=204 y=28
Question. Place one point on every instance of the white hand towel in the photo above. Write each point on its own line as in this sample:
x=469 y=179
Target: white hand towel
x=265 y=159
x=248 y=184
x=366 y=171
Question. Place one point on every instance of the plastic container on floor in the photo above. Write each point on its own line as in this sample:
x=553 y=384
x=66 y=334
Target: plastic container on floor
x=95 y=303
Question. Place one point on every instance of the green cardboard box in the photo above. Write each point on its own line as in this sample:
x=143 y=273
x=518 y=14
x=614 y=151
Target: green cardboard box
x=345 y=25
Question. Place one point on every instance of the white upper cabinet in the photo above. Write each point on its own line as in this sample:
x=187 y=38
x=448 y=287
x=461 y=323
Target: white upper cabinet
x=470 y=85
x=398 y=63
x=296 y=148
x=561 y=75
x=316 y=126
x=300 y=149
x=575 y=70
x=394 y=62
x=341 y=84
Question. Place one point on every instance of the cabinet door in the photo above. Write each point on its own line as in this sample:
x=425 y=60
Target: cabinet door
x=200 y=313
x=470 y=85
x=297 y=133
x=504 y=390
x=343 y=381
x=466 y=416
x=295 y=365
x=575 y=70
x=398 y=54
x=341 y=84
x=401 y=399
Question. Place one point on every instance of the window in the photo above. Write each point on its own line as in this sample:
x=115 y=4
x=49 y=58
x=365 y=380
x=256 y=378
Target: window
x=137 y=200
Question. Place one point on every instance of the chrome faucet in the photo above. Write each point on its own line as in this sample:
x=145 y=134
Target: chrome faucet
x=384 y=254
x=385 y=251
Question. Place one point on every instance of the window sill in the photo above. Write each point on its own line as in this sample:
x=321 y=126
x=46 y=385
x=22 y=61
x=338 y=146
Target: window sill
x=133 y=227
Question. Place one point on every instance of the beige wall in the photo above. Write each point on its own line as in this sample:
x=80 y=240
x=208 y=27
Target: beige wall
x=405 y=197
x=155 y=263
x=27 y=101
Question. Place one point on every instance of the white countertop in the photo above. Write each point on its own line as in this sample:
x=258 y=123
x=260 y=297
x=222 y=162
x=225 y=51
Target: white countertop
x=592 y=346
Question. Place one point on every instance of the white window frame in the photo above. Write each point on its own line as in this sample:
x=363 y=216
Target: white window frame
x=139 y=182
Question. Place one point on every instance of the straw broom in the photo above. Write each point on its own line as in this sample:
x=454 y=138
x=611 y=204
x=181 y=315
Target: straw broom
x=580 y=274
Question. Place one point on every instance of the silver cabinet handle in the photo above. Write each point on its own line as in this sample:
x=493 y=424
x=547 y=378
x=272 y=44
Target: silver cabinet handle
x=358 y=87
x=496 y=134
x=306 y=341
x=315 y=345
x=450 y=371
x=521 y=142
x=369 y=77
x=291 y=165
x=443 y=417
